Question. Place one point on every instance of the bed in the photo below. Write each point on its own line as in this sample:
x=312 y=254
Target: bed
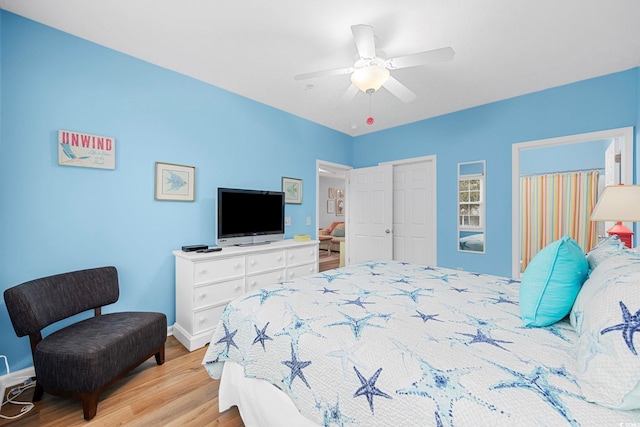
x=393 y=343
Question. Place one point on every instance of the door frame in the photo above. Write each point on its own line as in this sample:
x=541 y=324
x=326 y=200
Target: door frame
x=626 y=149
x=330 y=165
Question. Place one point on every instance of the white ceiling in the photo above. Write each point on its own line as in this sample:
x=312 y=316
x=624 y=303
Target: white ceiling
x=504 y=48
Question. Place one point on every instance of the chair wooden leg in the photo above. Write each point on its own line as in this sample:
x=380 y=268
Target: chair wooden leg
x=160 y=355
x=90 y=404
x=38 y=391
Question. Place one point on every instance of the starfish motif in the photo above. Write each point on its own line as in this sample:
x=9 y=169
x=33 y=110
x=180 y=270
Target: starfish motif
x=357 y=325
x=329 y=291
x=444 y=277
x=594 y=347
x=414 y=294
x=630 y=324
x=261 y=335
x=426 y=317
x=298 y=327
x=331 y=277
x=228 y=339
x=460 y=290
x=357 y=302
x=538 y=382
x=427 y=268
x=444 y=388
x=333 y=415
x=347 y=356
x=368 y=387
x=296 y=367
x=373 y=265
x=481 y=337
x=265 y=294
x=503 y=300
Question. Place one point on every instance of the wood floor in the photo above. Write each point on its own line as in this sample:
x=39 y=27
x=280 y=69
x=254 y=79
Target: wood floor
x=327 y=262
x=178 y=393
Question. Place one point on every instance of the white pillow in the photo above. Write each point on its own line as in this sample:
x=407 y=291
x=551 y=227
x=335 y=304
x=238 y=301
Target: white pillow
x=606 y=316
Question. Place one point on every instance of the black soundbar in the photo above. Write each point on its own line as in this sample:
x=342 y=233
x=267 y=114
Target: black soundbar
x=193 y=248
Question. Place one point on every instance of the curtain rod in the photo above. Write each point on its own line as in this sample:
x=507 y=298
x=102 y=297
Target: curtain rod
x=565 y=171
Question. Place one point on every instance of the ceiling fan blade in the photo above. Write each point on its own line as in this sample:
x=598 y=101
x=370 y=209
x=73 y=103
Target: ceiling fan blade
x=363 y=36
x=399 y=90
x=324 y=73
x=346 y=97
x=422 y=58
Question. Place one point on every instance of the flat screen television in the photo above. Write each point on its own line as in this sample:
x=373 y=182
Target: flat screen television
x=249 y=217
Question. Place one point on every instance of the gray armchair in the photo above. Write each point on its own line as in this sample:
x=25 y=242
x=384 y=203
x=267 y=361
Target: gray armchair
x=83 y=358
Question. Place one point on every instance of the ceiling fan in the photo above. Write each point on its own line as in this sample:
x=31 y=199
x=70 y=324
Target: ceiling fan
x=372 y=70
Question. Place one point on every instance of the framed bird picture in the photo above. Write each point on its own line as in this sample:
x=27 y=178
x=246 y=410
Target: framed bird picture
x=175 y=182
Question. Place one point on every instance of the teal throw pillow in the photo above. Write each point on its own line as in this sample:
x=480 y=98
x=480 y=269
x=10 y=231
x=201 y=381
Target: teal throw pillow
x=551 y=282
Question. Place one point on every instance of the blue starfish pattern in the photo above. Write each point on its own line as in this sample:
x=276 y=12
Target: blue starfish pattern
x=265 y=294
x=414 y=294
x=333 y=415
x=481 y=337
x=374 y=265
x=357 y=302
x=444 y=277
x=426 y=317
x=444 y=388
x=261 y=335
x=538 y=382
x=333 y=276
x=298 y=327
x=503 y=300
x=630 y=324
x=228 y=339
x=296 y=367
x=347 y=356
x=329 y=291
x=460 y=290
x=368 y=387
x=357 y=325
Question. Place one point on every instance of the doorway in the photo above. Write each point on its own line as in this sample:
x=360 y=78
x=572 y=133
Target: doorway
x=625 y=140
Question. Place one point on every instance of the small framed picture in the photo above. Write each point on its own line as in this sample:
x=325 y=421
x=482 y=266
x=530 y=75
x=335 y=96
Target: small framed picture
x=332 y=193
x=292 y=188
x=175 y=182
x=340 y=194
x=331 y=206
x=339 y=207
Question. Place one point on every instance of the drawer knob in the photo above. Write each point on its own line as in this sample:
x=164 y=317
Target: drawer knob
x=253 y=262
x=202 y=320
x=202 y=295
x=203 y=271
x=253 y=284
x=238 y=287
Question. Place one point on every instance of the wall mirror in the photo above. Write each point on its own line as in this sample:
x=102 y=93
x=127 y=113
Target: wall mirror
x=471 y=206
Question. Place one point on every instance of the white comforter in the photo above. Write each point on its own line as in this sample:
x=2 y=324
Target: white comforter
x=390 y=343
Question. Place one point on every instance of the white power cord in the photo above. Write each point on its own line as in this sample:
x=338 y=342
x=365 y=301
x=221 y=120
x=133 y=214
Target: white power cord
x=14 y=393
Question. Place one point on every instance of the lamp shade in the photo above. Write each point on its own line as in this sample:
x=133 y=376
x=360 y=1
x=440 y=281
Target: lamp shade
x=618 y=203
x=369 y=78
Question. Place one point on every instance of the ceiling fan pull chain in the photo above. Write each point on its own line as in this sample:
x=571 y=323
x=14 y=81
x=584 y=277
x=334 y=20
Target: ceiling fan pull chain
x=370 y=118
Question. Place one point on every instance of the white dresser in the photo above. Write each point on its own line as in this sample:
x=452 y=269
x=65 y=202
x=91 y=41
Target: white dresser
x=206 y=282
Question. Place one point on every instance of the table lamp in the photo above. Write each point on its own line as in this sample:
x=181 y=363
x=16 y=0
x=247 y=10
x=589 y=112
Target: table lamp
x=619 y=203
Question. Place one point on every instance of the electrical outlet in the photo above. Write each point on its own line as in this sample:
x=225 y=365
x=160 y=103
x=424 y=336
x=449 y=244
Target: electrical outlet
x=308 y=220
x=287 y=220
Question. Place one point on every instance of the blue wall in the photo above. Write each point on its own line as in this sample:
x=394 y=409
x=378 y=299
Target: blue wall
x=568 y=157
x=56 y=218
x=487 y=133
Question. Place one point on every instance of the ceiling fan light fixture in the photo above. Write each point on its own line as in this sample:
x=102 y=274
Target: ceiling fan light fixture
x=370 y=78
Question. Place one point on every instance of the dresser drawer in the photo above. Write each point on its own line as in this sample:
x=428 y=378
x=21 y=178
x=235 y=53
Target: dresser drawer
x=266 y=279
x=301 y=271
x=207 y=319
x=302 y=255
x=265 y=261
x=217 y=293
x=218 y=269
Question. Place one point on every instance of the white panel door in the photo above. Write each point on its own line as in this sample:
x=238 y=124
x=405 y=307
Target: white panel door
x=414 y=223
x=369 y=214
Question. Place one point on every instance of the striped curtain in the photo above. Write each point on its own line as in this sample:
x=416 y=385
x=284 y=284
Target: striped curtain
x=554 y=205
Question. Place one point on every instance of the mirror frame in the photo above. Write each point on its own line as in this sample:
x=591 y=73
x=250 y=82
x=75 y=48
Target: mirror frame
x=483 y=201
x=626 y=150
